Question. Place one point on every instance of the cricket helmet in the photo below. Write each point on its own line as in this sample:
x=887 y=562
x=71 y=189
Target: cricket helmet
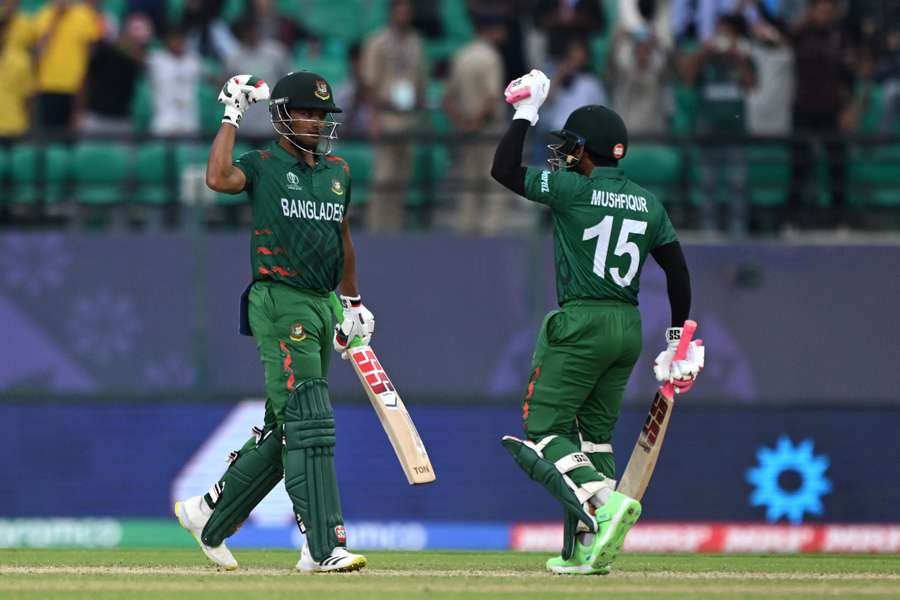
x=308 y=91
x=597 y=129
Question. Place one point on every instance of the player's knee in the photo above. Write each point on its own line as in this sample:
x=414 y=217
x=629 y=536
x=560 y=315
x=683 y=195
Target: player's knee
x=308 y=416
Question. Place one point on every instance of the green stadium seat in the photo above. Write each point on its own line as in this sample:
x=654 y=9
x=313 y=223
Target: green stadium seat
x=874 y=176
x=455 y=17
x=332 y=67
x=152 y=162
x=657 y=167
x=768 y=174
x=32 y=166
x=23 y=176
x=5 y=183
x=343 y=20
x=100 y=171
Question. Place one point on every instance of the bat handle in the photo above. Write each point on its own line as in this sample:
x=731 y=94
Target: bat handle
x=687 y=332
x=338 y=310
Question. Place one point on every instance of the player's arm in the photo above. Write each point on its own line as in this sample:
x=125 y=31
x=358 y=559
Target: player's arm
x=678 y=284
x=238 y=93
x=671 y=260
x=221 y=174
x=349 y=285
x=358 y=320
x=526 y=94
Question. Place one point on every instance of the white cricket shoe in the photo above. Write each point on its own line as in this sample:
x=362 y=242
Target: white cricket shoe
x=340 y=561
x=193 y=517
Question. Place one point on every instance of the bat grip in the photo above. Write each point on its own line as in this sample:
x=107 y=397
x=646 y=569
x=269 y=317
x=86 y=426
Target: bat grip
x=687 y=332
x=338 y=310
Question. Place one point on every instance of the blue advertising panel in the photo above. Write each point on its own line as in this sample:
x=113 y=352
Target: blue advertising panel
x=718 y=464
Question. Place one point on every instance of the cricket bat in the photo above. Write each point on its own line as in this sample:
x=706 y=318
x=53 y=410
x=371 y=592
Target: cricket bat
x=389 y=407
x=640 y=467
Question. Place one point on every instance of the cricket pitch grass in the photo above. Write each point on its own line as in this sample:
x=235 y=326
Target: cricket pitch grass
x=268 y=574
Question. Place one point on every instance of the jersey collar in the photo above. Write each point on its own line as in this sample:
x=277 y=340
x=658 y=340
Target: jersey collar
x=608 y=173
x=279 y=152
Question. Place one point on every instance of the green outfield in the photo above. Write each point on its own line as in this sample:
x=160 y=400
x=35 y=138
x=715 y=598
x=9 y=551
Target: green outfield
x=136 y=574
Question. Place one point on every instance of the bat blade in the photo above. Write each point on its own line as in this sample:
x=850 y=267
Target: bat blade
x=643 y=458
x=394 y=417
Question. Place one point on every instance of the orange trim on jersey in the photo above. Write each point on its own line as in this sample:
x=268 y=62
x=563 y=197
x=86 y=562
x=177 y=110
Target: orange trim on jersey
x=339 y=159
x=262 y=232
x=287 y=365
x=263 y=250
x=530 y=394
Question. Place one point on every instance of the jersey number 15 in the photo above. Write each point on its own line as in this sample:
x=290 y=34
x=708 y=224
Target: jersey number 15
x=602 y=231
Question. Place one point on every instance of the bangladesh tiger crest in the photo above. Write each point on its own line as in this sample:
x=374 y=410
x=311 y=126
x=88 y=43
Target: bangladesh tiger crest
x=298 y=334
x=336 y=187
x=341 y=534
x=322 y=92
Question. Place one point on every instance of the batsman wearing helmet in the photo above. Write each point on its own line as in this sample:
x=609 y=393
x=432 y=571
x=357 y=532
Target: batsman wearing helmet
x=604 y=226
x=300 y=251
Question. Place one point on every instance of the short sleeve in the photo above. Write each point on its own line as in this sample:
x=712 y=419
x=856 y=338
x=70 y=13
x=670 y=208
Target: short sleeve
x=665 y=232
x=248 y=162
x=552 y=188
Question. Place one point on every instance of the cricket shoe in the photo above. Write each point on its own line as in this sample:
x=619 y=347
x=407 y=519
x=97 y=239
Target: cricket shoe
x=579 y=564
x=614 y=519
x=339 y=561
x=192 y=517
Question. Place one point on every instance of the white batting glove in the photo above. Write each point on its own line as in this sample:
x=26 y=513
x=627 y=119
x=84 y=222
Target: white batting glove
x=680 y=373
x=358 y=322
x=238 y=93
x=527 y=94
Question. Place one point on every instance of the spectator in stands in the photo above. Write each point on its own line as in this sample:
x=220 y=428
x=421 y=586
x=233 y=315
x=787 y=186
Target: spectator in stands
x=638 y=72
x=65 y=31
x=650 y=17
x=206 y=33
x=174 y=73
x=769 y=102
x=476 y=110
x=272 y=25
x=574 y=85
x=887 y=71
x=16 y=77
x=356 y=120
x=723 y=73
x=266 y=58
x=824 y=102
x=105 y=100
x=155 y=10
x=565 y=20
x=394 y=70
x=697 y=20
x=515 y=20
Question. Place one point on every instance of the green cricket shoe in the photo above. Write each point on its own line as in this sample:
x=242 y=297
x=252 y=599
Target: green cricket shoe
x=579 y=564
x=614 y=519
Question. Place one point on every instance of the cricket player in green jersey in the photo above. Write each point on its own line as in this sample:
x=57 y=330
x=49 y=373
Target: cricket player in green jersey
x=604 y=226
x=300 y=251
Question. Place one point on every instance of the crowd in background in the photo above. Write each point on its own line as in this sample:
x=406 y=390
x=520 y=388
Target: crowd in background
x=757 y=67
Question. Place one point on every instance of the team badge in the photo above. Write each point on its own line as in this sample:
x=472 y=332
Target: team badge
x=322 y=92
x=341 y=534
x=298 y=334
x=336 y=187
x=618 y=151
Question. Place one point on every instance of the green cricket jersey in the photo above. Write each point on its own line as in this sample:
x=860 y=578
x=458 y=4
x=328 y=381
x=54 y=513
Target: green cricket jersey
x=297 y=216
x=604 y=226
